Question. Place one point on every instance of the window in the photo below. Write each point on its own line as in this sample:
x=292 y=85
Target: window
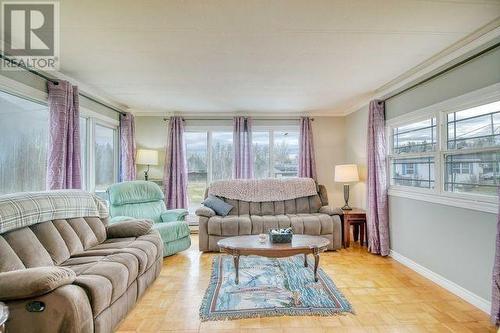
x=261 y=158
x=23 y=144
x=415 y=138
x=24 y=136
x=477 y=127
x=412 y=159
x=473 y=156
x=222 y=155
x=286 y=154
x=416 y=172
x=210 y=154
x=105 y=152
x=454 y=151
x=209 y=157
x=197 y=158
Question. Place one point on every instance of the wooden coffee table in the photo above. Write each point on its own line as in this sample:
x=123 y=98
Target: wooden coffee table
x=250 y=245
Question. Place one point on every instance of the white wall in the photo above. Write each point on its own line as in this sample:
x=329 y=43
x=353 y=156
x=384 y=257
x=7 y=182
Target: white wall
x=329 y=142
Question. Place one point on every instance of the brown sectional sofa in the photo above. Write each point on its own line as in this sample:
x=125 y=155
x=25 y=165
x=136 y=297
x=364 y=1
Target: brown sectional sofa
x=308 y=215
x=73 y=274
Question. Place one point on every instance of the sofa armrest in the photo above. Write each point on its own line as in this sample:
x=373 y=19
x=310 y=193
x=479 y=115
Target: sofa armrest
x=129 y=228
x=205 y=211
x=33 y=282
x=331 y=211
x=173 y=215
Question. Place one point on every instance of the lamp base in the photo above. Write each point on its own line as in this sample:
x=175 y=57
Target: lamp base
x=346 y=207
x=346 y=197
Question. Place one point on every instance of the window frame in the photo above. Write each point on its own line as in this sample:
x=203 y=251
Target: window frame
x=24 y=91
x=228 y=128
x=440 y=111
x=209 y=130
x=102 y=121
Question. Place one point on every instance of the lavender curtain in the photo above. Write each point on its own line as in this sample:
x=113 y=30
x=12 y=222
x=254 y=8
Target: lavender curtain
x=175 y=172
x=377 y=214
x=307 y=160
x=63 y=160
x=495 y=290
x=242 y=141
x=127 y=147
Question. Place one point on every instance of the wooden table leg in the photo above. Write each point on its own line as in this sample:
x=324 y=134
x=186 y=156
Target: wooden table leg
x=347 y=232
x=362 y=234
x=355 y=232
x=305 y=259
x=236 y=259
x=316 y=264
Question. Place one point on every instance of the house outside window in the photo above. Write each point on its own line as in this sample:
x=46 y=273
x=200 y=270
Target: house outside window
x=450 y=150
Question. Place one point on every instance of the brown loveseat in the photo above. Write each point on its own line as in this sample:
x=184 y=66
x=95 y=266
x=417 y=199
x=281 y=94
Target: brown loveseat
x=308 y=215
x=63 y=269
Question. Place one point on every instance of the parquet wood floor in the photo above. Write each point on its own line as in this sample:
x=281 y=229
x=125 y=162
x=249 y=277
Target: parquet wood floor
x=387 y=297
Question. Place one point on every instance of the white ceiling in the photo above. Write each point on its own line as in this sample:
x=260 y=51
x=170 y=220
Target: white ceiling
x=255 y=56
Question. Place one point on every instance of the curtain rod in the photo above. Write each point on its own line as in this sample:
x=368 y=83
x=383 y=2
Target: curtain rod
x=56 y=82
x=230 y=118
x=494 y=46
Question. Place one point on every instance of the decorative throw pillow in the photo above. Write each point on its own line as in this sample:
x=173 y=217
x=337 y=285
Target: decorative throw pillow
x=218 y=205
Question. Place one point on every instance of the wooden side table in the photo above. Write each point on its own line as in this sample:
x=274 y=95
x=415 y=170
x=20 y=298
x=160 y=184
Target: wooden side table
x=357 y=218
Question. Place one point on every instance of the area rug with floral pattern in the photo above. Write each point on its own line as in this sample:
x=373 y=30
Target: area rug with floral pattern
x=269 y=287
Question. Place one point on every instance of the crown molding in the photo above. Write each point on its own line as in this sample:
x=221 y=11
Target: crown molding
x=481 y=38
x=222 y=115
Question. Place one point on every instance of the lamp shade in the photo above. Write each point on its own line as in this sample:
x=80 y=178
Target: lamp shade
x=346 y=173
x=147 y=156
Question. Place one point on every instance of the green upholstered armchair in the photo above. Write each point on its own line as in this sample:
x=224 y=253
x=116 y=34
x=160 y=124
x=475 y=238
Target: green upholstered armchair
x=145 y=200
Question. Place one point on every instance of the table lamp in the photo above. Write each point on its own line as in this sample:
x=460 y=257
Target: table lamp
x=147 y=157
x=346 y=173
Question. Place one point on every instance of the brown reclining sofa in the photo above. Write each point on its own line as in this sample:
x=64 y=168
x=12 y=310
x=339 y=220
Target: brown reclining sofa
x=63 y=269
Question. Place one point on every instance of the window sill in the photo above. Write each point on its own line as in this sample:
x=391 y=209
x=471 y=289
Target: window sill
x=446 y=199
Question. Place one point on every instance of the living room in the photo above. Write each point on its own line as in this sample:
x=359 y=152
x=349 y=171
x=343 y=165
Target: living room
x=250 y=166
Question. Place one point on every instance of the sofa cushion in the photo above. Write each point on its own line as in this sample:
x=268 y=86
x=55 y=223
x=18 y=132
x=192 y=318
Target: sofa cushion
x=104 y=278
x=9 y=261
x=52 y=240
x=28 y=248
x=146 y=249
x=311 y=224
x=69 y=235
x=229 y=225
x=262 y=224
